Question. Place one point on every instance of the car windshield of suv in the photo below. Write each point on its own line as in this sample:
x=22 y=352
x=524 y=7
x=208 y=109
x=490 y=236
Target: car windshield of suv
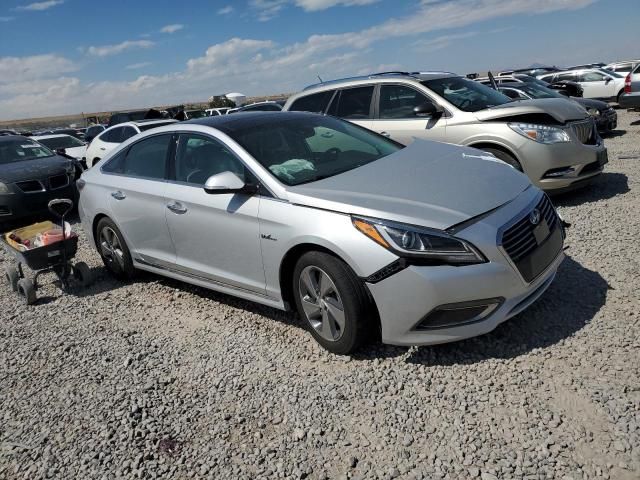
x=467 y=95
x=17 y=150
x=61 y=142
x=309 y=148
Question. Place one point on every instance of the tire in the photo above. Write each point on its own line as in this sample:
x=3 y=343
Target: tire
x=82 y=274
x=618 y=97
x=12 y=276
x=505 y=157
x=27 y=291
x=345 y=290
x=116 y=257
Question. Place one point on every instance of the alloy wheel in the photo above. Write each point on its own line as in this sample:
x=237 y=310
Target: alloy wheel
x=111 y=248
x=321 y=303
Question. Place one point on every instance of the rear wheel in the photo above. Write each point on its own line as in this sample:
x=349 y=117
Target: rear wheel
x=332 y=302
x=82 y=274
x=620 y=93
x=504 y=156
x=113 y=250
x=27 y=291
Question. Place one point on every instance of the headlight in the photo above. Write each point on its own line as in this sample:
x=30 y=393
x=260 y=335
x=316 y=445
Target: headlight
x=594 y=112
x=541 y=133
x=423 y=244
x=4 y=189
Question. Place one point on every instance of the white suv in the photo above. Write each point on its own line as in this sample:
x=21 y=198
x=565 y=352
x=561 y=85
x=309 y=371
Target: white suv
x=595 y=82
x=114 y=136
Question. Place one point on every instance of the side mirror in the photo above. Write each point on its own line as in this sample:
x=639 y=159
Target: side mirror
x=427 y=109
x=607 y=81
x=227 y=182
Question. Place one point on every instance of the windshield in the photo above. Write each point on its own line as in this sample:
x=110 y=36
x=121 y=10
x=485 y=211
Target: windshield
x=144 y=127
x=19 y=149
x=309 y=148
x=467 y=95
x=61 y=142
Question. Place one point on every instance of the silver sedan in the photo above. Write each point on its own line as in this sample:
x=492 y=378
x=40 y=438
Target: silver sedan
x=364 y=237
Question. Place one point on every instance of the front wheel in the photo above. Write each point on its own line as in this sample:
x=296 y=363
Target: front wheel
x=332 y=302
x=12 y=276
x=27 y=291
x=82 y=274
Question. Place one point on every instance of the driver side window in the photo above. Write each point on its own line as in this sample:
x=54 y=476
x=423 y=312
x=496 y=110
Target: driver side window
x=591 y=77
x=398 y=101
x=199 y=157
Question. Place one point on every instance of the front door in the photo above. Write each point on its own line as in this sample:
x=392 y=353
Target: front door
x=137 y=201
x=217 y=237
x=596 y=85
x=395 y=117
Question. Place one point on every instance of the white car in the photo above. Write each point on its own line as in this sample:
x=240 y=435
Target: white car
x=595 y=82
x=71 y=145
x=114 y=136
x=622 y=67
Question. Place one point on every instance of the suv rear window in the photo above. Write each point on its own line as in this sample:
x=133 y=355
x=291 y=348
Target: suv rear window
x=315 y=103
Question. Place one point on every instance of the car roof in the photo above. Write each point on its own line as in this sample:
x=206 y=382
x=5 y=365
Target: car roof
x=416 y=76
x=7 y=138
x=247 y=119
x=136 y=123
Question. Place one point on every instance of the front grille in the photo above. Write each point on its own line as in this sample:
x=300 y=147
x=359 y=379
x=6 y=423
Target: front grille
x=59 y=181
x=31 y=186
x=584 y=131
x=519 y=240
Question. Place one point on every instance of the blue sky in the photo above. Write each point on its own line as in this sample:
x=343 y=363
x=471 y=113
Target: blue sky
x=68 y=56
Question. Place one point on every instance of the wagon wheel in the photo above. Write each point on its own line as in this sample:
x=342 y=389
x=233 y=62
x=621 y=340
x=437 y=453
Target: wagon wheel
x=12 y=275
x=27 y=291
x=82 y=273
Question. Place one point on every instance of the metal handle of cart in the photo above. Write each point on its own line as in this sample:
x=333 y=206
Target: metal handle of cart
x=60 y=207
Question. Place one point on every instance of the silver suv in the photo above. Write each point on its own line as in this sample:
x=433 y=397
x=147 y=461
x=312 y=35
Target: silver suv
x=554 y=141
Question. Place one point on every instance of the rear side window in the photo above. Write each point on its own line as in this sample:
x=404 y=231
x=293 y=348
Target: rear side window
x=565 y=76
x=146 y=158
x=316 y=103
x=112 y=136
x=353 y=103
x=128 y=132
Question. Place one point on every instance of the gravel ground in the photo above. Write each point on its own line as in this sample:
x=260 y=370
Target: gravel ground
x=157 y=379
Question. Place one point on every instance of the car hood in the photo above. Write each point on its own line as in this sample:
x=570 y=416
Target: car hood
x=431 y=184
x=36 y=169
x=562 y=110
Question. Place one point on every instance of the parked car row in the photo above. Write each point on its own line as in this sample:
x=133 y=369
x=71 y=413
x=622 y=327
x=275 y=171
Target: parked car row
x=342 y=206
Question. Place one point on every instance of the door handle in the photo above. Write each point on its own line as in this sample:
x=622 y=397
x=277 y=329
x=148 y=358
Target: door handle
x=102 y=148
x=177 y=207
x=118 y=195
x=385 y=134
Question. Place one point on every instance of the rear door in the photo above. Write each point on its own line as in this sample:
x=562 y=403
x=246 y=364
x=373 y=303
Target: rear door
x=394 y=115
x=137 y=177
x=354 y=104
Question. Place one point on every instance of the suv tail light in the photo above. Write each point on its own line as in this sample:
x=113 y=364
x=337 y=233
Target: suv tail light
x=627 y=84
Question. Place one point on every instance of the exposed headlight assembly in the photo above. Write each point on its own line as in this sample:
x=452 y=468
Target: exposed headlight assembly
x=594 y=112
x=541 y=133
x=4 y=189
x=424 y=245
